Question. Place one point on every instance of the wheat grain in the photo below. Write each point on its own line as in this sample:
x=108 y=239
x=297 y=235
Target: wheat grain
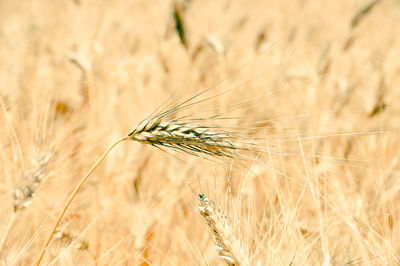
x=228 y=247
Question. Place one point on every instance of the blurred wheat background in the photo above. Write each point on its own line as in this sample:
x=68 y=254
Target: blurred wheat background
x=323 y=83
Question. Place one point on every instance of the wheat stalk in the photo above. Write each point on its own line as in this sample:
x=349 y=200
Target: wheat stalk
x=228 y=247
x=76 y=190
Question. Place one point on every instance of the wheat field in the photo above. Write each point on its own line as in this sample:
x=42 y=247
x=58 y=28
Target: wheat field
x=282 y=146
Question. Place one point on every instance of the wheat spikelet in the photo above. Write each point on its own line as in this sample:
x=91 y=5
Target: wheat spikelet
x=181 y=136
x=228 y=247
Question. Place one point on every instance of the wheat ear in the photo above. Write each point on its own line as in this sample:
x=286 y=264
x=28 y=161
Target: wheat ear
x=181 y=136
x=171 y=134
x=25 y=190
x=31 y=179
x=228 y=247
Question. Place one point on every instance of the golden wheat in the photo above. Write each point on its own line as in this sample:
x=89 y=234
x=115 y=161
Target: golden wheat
x=31 y=179
x=350 y=182
x=171 y=134
x=228 y=247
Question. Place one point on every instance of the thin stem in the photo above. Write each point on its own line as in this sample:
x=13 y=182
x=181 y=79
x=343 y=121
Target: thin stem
x=77 y=188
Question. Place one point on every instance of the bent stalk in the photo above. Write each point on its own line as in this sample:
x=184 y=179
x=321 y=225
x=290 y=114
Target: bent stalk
x=76 y=190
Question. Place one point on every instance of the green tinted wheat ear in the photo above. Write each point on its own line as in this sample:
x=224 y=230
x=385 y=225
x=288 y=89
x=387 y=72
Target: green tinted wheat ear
x=181 y=136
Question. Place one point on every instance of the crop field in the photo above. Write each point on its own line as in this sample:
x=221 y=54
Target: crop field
x=200 y=132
